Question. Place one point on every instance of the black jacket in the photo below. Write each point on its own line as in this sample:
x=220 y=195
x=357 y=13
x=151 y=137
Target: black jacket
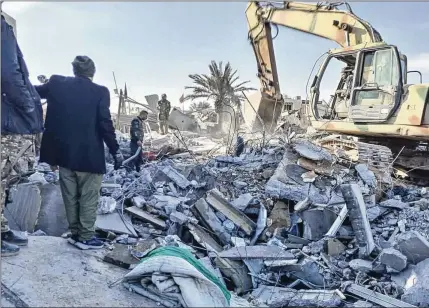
x=136 y=130
x=21 y=109
x=77 y=122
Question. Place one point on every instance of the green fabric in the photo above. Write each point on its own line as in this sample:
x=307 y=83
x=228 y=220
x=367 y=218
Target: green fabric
x=81 y=192
x=186 y=255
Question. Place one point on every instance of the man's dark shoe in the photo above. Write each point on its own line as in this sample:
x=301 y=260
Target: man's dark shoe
x=15 y=237
x=93 y=243
x=8 y=250
x=73 y=239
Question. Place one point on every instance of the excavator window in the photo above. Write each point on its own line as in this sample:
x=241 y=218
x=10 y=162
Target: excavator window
x=380 y=75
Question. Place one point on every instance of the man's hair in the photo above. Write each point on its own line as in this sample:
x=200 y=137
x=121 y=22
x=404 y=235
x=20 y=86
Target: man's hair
x=83 y=66
x=164 y=95
x=143 y=112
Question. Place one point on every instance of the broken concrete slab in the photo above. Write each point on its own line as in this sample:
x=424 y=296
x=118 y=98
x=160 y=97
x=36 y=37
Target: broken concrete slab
x=376 y=297
x=260 y=224
x=179 y=217
x=361 y=265
x=287 y=297
x=323 y=168
x=338 y=222
x=176 y=177
x=358 y=217
x=114 y=223
x=53 y=273
x=413 y=245
x=280 y=217
x=23 y=211
x=143 y=247
x=217 y=201
x=243 y=201
x=375 y=212
x=215 y=271
x=311 y=151
x=237 y=272
x=366 y=175
x=204 y=239
x=394 y=203
x=293 y=192
x=334 y=247
x=393 y=258
x=256 y=252
x=317 y=223
x=308 y=270
x=121 y=256
x=138 y=201
x=52 y=216
x=210 y=218
x=134 y=210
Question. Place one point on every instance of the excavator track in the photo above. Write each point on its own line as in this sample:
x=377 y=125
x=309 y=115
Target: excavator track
x=377 y=157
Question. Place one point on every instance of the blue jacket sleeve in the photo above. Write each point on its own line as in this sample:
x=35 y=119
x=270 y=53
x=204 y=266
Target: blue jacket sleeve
x=105 y=123
x=12 y=83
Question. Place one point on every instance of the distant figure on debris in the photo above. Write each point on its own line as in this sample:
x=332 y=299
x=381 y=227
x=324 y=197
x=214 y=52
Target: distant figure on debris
x=77 y=123
x=137 y=134
x=164 y=107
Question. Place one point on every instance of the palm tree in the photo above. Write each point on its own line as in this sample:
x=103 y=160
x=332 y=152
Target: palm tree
x=200 y=106
x=221 y=86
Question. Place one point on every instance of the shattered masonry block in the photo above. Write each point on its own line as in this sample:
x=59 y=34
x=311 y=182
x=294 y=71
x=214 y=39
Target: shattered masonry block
x=361 y=265
x=366 y=175
x=176 y=177
x=413 y=245
x=311 y=151
x=358 y=217
x=288 y=297
x=418 y=292
x=178 y=217
x=393 y=258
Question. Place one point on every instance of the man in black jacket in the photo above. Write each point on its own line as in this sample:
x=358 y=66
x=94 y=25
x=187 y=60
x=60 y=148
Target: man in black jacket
x=21 y=114
x=137 y=134
x=77 y=122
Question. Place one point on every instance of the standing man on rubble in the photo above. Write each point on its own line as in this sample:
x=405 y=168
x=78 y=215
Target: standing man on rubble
x=137 y=134
x=21 y=114
x=164 y=107
x=77 y=122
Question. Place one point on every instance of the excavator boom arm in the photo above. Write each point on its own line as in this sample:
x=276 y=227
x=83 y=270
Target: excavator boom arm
x=325 y=21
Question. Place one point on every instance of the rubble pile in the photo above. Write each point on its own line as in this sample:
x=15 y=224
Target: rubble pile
x=282 y=225
x=286 y=224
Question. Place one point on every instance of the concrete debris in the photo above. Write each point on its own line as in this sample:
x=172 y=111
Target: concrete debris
x=417 y=292
x=256 y=252
x=393 y=259
x=359 y=219
x=366 y=175
x=23 y=211
x=243 y=201
x=281 y=224
x=361 y=265
x=106 y=205
x=413 y=245
x=287 y=297
x=311 y=151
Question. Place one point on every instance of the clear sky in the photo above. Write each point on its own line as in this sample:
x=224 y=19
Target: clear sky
x=153 y=46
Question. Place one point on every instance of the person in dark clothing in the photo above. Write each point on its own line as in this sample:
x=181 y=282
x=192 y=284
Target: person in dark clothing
x=21 y=114
x=77 y=122
x=137 y=134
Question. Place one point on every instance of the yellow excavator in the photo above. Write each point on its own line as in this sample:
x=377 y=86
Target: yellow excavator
x=372 y=101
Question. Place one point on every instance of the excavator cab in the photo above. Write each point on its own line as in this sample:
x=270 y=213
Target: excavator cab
x=370 y=87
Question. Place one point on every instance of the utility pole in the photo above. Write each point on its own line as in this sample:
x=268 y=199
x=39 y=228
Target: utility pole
x=119 y=104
